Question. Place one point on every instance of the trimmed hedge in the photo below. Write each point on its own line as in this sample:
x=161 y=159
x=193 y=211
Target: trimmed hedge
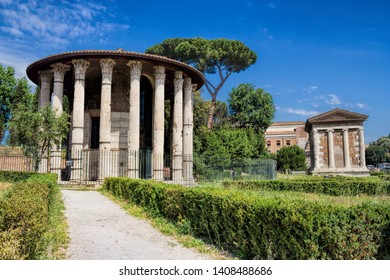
x=267 y=226
x=333 y=186
x=24 y=216
x=16 y=176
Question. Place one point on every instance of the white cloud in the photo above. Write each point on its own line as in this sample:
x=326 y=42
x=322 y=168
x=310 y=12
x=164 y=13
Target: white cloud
x=331 y=99
x=301 y=112
x=361 y=105
x=56 y=24
x=311 y=89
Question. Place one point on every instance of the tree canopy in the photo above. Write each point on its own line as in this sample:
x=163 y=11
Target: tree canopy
x=217 y=56
x=13 y=93
x=291 y=158
x=251 y=107
x=37 y=131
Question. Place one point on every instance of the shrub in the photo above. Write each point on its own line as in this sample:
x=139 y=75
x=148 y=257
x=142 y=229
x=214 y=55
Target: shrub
x=336 y=186
x=267 y=226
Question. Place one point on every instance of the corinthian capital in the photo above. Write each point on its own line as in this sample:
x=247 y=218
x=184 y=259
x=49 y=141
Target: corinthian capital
x=159 y=73
x=45 y=76
x=107 y=64
x=135 y=68
x=59 y=70
x=80 y=68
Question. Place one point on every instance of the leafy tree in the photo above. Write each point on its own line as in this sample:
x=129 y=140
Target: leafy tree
x=291 y=158
x=37 y=131
x=251 y=107
x=218 y=56
x=375 y=154
x=13 y=93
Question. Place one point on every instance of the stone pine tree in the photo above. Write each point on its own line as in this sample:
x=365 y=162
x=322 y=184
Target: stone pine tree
x=222 y=57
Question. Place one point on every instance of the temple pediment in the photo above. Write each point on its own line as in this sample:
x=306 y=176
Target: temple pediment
x=338 y=115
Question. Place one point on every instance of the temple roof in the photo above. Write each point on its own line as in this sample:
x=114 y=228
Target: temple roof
x=335 y=116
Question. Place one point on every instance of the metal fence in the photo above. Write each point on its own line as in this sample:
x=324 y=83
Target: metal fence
x=92 y=166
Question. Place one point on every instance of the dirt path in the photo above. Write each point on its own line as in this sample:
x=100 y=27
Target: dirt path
x=101 y=230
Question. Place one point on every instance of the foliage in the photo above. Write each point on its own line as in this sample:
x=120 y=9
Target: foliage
x=291 y=158
x=32 y=224
x=216 y=56
x=375 y=154
x=38 y=131
x=337 y=186
x=267 y=225
x=13 y=93
x=251 y=107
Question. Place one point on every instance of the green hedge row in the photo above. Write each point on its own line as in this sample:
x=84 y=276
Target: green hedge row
x=15 y=176
x=267 y=227
x=334 y=187
x=24 y=215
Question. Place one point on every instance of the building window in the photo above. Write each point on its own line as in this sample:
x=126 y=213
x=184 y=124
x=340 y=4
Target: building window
x=278 y=143
x=288 y=143
x=268 y=143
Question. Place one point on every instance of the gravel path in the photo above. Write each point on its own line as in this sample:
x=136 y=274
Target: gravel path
x=101 y=230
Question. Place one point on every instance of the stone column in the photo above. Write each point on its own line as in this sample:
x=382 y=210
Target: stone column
x=80 y=68
x=134 y=118
x=59 y=70
x=362 y=147
x=107 y=64
x=188 y=177
x=315 y=152
x=347 y=162
x=158 y=124
x=330 y=148
x=177 y=135
x=44 y=94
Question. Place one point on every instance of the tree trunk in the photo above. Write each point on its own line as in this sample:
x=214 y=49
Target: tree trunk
x=210 y=122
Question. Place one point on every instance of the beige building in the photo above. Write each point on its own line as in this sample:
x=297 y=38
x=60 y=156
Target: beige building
x=118 y=101
x=337 y=143
x=281 y=134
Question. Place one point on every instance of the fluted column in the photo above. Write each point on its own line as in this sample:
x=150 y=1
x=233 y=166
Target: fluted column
x=134 y=118
x=80 y=69
x=330 y=148
x=315 y=152
x=106 y=64
x=177 y=135
x=44 y=94
x=347 y=162
x=362 y=148
x=158 y=124
x=59 y=70
x=188 y=133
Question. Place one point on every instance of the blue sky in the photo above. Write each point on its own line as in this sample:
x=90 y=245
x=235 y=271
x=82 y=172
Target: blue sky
x=313 y=56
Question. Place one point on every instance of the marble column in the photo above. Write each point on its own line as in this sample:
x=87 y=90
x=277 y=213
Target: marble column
x=347 y=162
x=59 y=70
x=315 y=152
x=45 y=87
x=362 y=147
x=106 y=64
x=134 y=118
x=330 y=148
x=188 y=177
x=177 y=133
x=80 y=69
x=158 y=123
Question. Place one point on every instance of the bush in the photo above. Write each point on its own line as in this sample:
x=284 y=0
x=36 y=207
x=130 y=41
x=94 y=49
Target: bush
x=267 y=226
x=337 y=186
x=29 y=213
x=15 y=176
